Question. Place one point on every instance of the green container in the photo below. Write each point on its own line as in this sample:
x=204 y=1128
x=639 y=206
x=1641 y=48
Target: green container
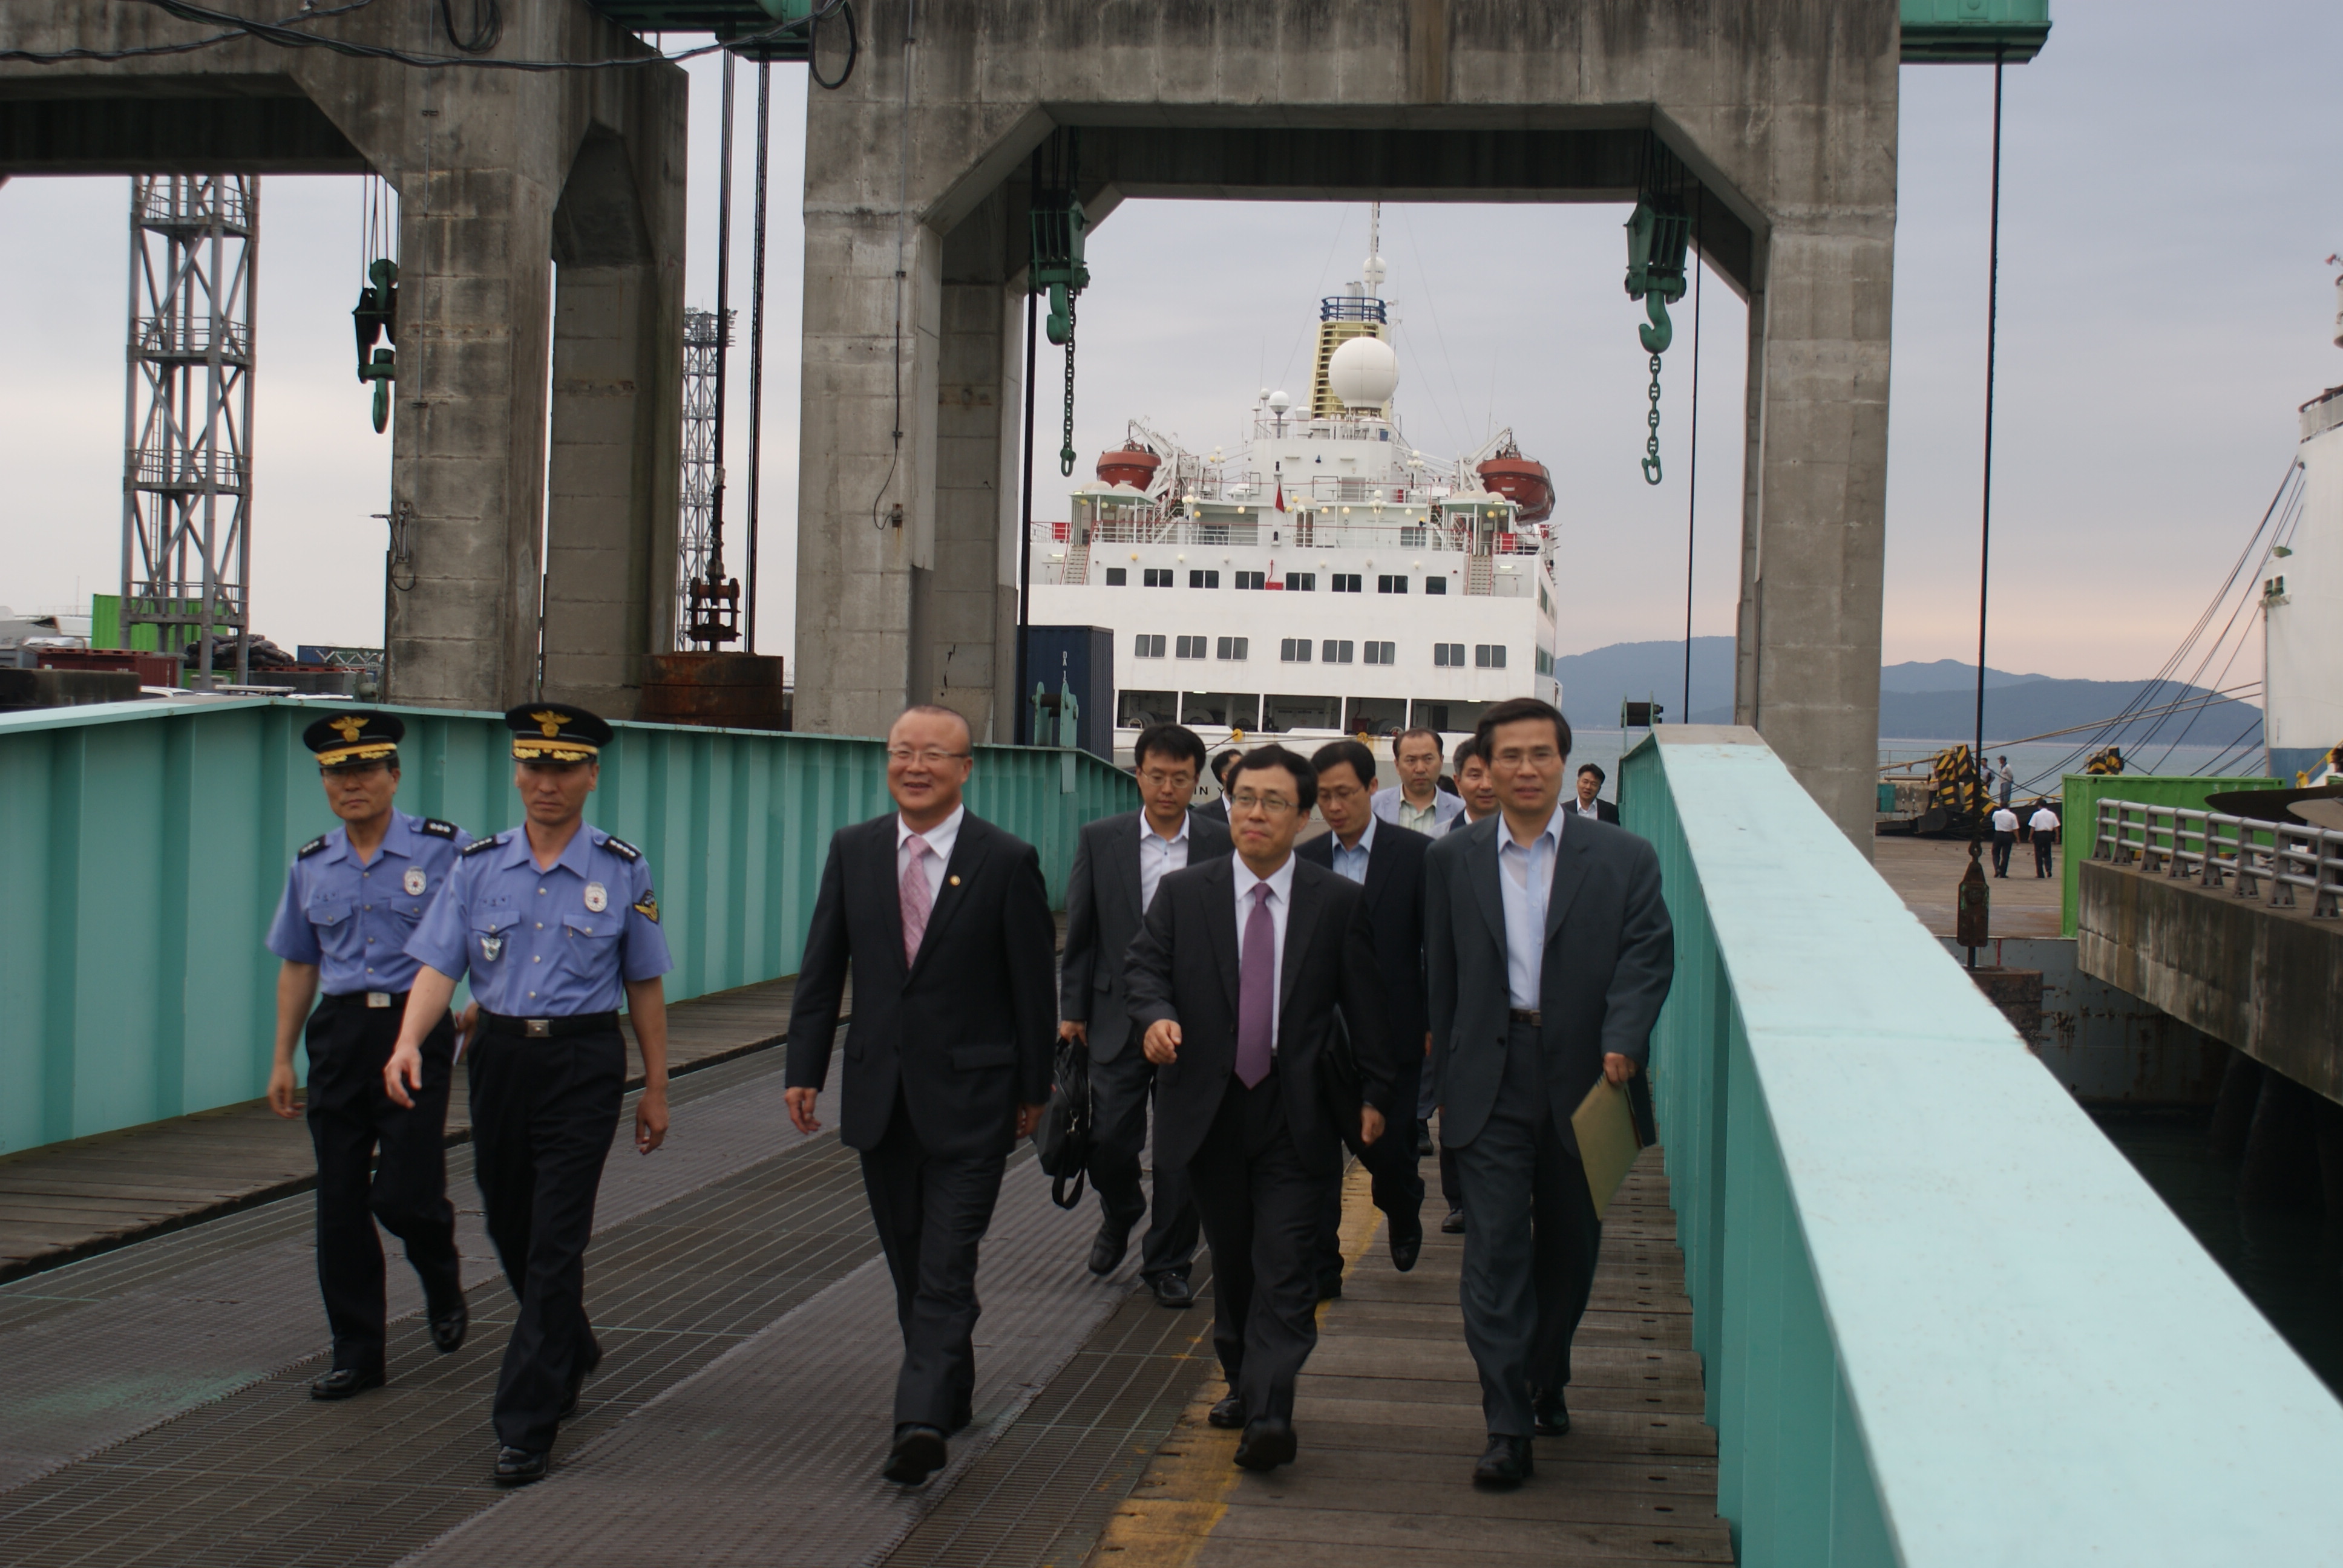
x=2079 y=799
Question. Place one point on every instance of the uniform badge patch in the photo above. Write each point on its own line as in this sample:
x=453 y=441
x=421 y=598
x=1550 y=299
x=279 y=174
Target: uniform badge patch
x=490 y=947
x=415 y=881
x=598 y=897
x=649 y=908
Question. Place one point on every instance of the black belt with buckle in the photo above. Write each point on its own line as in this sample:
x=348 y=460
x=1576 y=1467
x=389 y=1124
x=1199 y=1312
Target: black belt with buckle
x=549 y=1027
x=376 y=1000
x=1528 y=1015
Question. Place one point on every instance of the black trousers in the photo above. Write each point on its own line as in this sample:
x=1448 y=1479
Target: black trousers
x=2002 y=845
x=1263 y=1213
x=2043 y=843
x=543 y=1114
x=1121 y=1090
x=1531 y=1244
x=376 y=1160
x=931 y=1213
x=1393 y=1167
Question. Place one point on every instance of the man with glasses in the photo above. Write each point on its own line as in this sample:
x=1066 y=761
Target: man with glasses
x=944 y=920
x=1547 y=954
x=1235 y=977
x=1120 y=863
x=1387 y=862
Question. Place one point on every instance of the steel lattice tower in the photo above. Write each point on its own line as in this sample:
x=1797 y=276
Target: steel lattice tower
x=701 y=341
x=186 y=485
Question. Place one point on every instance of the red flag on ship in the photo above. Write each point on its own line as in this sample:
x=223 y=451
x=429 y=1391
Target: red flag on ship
x=1280 y=489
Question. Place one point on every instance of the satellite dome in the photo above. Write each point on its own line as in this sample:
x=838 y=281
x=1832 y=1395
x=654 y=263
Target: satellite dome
x=1278 y=402
x=1363 y=373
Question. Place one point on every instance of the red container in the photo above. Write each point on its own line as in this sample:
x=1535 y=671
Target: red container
x=151 y=669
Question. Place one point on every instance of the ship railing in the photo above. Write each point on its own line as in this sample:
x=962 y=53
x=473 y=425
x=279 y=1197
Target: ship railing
x=1920 y=1275
x=2273 y=861
x=1316 y=528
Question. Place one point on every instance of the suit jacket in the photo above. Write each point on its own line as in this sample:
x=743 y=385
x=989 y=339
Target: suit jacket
x=1609 y=958
x=1184 y=966
x=966 y=1032
x=1217 y=810
x=1394 y=893
x=1103 y=915
x=1603 y=810
x=1384 y=804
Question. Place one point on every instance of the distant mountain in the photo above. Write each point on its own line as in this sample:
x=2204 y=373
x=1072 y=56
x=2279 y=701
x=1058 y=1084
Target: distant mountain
x=1932 y=701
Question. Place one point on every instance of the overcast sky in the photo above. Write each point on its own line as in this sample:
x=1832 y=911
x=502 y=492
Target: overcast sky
x=2171 y=182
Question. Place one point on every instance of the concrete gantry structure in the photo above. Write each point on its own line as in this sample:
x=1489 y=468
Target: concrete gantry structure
x=541 y=222
x=1784 y=111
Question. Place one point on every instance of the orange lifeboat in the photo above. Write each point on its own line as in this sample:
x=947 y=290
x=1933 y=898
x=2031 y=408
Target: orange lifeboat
x=1520 y=480
x=1134 y=466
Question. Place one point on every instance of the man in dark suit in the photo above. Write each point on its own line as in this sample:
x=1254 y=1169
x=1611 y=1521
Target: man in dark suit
x=1547 y=953
x=946 y=921
x=1590 y=802
x=1120 y=863
x=1387 y=861
x=1219 y=809
x=1236 y=977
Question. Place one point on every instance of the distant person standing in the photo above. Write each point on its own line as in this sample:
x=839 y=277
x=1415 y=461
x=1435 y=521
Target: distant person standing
x=352 y=899
x=2004 y=838
x=558 y=925
x=1473 y=784
x=1590 y=801
x=1417 y=802
x=1219 y=809
x=2008 y=784
x=2045 y=826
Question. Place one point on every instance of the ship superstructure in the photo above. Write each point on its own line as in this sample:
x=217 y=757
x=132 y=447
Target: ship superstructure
x=1327 y=578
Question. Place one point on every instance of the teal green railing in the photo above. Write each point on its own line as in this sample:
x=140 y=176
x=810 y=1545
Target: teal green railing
x=142 y=847
x=1943 y=1321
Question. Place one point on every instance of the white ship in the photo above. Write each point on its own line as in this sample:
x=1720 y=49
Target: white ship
x=1326 y=579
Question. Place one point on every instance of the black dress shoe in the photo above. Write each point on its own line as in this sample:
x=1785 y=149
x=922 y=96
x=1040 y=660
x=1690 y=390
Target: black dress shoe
x=1507 y=1464
x=1172 y=1291
x=1267 y=1443
x=344 y=1382
x=1424 y=1150
x=1406 y=1241
x=1228 y=1415
x=1454 y=1224
x=1548 y=1415
x=448 y=1327
x=519 y=1466
x=1330 y=1286
x=1106 y=1252
x=919 y=1452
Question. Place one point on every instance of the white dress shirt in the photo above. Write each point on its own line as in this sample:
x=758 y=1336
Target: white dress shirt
x=2005 y=820
x=1159 y=856
x=939 y=837
x=2044 y=820
x=1352 y=862
x=1587 y=808
x=1280 y=883
x=1525 y=878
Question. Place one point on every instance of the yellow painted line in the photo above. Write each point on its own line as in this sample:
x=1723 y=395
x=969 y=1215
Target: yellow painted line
x=1171 y=1512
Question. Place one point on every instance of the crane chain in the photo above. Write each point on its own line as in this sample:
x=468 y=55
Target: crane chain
x=1651 y=442
x=1066 y=452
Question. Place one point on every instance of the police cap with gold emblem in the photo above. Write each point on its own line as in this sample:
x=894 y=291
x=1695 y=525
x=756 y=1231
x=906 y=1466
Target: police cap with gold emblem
x=556 y=732
x=354 y=737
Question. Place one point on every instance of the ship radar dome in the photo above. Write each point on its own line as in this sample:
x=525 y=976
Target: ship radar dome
x=1363 y=373
x=1278 y=402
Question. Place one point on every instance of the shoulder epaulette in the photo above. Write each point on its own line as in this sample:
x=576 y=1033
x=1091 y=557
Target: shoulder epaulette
x=309 y=848
x=620 y=847
x=476 y=844
x=436 y=828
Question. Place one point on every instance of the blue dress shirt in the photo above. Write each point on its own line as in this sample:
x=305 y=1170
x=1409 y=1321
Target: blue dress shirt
x=1352 y=862
x=554 y=943
x=1524 y=879
x=353 y=918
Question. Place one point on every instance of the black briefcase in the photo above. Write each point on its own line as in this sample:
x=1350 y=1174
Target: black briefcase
x=1062 y=1142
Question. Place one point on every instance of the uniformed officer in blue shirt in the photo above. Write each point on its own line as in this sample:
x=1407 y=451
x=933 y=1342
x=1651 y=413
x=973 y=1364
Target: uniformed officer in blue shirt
x=352 y=901
x=557 y=924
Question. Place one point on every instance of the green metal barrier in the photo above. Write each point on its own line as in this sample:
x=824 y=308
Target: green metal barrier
x=1944 y=1322
x=144 y=848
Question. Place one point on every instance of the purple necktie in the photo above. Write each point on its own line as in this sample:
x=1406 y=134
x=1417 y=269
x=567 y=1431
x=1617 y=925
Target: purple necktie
x=1256 y=991
x=918 y=900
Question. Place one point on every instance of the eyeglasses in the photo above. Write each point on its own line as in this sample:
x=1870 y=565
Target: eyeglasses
x=1537 y=757
x=1156 y=778
x=1267 y=805
x=929 y=756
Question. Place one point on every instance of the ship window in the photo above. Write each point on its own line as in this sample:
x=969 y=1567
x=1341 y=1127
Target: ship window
x=1347 y=582
x=1489 y=655
x=1229 y=709
x=1191 y=646
x=1544 y=603
x=1156 y=577
x=1144 y=645
x=1252 y=579
x=1301 y=582
x=1137 y=709
x=1435 y=584
x=1545 y=662
x=1412 y=539
x=1444 y=655
x=1300 y=712
x=1118 y=576
x=1382 y=653
x=1231 y=647
x=1388 y=583
x=1293 y=649
x=1203 y=579
x=1375 y=715
x=1336 y=652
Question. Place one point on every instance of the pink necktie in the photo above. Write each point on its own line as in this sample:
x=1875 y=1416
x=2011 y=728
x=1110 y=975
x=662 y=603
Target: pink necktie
x=1256 y=991
x=916 y=898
